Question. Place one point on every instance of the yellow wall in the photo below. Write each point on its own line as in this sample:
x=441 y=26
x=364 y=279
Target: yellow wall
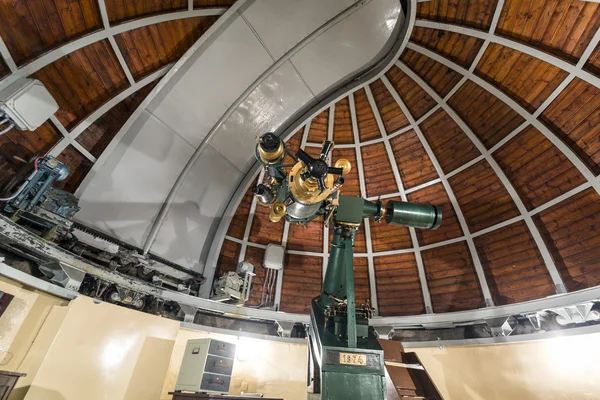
x=275 y=369
x=566 y=368
x=102 y=351
x=26 y=320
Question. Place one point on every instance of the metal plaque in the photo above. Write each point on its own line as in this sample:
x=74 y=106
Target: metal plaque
x=353 y=359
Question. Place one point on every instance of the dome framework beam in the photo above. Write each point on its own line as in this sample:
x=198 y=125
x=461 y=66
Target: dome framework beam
x=363 y=193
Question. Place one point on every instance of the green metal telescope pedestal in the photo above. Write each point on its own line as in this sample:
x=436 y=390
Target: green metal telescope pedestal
x=346 y=358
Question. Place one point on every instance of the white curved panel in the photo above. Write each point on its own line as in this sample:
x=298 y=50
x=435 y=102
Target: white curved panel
x=348 y=45
x=124 y=196
x=268 y=106
x=221 y=73
x=195 y=103
x=279 y=33
x=197 y=210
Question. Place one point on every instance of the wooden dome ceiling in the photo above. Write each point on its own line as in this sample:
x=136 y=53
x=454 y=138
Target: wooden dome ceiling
x=490 y=113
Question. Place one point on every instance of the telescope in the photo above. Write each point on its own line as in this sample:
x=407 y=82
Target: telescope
x=312 y=188
x=345 y=359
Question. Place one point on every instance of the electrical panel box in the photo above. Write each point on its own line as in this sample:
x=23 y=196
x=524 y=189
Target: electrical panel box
x=206 y=367
x=274 y=255
x=27 y=103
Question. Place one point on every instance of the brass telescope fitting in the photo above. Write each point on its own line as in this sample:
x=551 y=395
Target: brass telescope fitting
x=271 y=149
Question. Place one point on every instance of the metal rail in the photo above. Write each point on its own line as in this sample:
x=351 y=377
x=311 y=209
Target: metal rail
x=12 y=233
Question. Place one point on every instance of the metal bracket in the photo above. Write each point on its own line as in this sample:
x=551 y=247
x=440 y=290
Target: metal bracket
x=189 y=312
x=284 y=328
x=63 y=275
x=501 y=326
x=573 y=314
x=535 y=320
x=384 y=332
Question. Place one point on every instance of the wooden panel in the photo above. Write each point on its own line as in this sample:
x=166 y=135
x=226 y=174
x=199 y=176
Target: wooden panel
x=351 y=184
x=362 y=291
x=18 y=148
x=385 y=237
x=451 y=146
x=537 y=169
x=314 y=152
x=301 y=282
x=476 y=14
x=263 y=231
x=31 y=28
x=228 y=257
x=398 y=286
x=99 y=135
x=379 y=177
x=318 y=128
x=292 y=145
x=78 y=165
x=306 y=238
x=255 y=256
x=119 y=10
x=342 y=124
x=413 y=95
x=450 y=228
x=4 y=70
x=481 y=196
x=574 y=116
x=593 y=63
x=392 y=116
x=570 y=229
x=360 y=241
x=413 y=162
x=440 y=77
x=367 y=125
x=527 y=80
x=212 y=3
x=82 y=81
x=514 y=268
x=461 y=49
x=560 y=27
x=488 y=117
x=148 y=48
x=451 y=278
x=237 y=226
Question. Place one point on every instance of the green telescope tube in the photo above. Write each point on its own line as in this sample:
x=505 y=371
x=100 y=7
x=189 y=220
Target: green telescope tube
x=416 y=215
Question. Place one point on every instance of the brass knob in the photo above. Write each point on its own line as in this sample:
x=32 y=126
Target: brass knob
x=344 y=165
x=277 y=212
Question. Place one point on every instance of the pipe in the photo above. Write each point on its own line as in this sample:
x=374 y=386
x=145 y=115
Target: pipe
x=10 y=126
x=271 y=286
x=41 y=191
x=18 y=192
x=5 y=119
x=160 y=218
